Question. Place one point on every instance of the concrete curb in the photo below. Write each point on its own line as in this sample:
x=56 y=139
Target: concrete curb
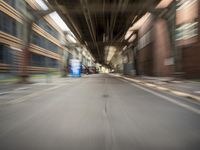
x=158 y=87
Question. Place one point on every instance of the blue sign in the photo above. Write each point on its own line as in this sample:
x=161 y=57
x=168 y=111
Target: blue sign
x=75 y=68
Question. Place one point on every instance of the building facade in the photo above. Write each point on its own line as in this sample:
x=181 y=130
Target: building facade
x=43 y=39
x=168 y=41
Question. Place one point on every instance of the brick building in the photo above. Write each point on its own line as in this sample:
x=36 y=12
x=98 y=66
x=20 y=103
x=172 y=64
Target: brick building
x=168 y=41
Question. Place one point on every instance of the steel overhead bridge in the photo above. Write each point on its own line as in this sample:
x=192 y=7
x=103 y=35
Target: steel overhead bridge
x=101 y=23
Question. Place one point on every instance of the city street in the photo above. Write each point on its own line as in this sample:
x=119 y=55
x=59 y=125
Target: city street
x=96 y=112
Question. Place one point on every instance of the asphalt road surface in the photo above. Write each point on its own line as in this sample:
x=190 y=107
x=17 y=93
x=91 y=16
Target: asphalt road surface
x=98 y=112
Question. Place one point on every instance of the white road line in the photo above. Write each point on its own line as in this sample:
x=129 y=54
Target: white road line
x=22 y=88
x=25 y=98
x=197 y=92
x=4 y=93
x=166 y=98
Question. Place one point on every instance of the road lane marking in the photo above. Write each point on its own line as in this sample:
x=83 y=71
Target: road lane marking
x=4 y=93
x=25 y=98
x=22 y=88
x=197 y=111
x=179 y=93
x=197 y=92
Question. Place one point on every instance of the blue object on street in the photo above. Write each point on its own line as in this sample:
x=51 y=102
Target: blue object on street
x=75 y=68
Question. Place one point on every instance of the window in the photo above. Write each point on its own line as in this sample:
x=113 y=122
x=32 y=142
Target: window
x=37 y=60
x=181 y=4
x=52 y=63
x=19 y=5
x=43 y=61
x=10 y=2
x=44 y=43
x=8 y=25
x=186 y=31
x=5 y=54
x=1 y=53
x=44 y=25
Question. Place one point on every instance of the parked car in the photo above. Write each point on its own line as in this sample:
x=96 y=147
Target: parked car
x=83 y=69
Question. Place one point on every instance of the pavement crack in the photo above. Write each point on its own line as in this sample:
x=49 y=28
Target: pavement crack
x=105 y=108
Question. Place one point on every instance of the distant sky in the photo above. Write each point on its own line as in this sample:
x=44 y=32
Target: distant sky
x=59 y=21
x=54 y=16
x=42 y=4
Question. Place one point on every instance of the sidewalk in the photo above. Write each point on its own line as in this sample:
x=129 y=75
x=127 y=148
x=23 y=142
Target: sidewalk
x=9 y=85
x=180 y=87
x=40 y=79
x=186 y=86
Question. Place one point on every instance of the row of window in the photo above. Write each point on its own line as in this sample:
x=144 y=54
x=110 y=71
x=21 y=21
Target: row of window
x=183 y=32
x=15 y=28
x=10 y=25
x=42 y=61
x=41 y=22
x=19 y=5
x=44 y=43
x=11 y=3
x=182 y=4
x=5 y=55
x=186 y=31
x=44 y=25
